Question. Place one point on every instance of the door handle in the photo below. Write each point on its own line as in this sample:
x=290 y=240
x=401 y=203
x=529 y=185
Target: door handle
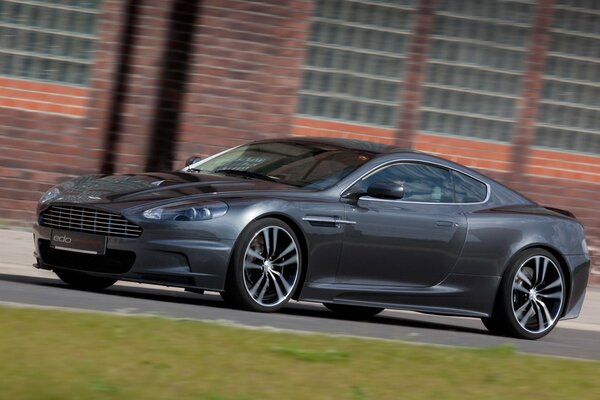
x=445 y=224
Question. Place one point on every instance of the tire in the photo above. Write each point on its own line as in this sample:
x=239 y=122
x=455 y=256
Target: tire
x=227 y=298
x=531 y=297
x=353 y=312
x=266 y=267
x=82 y=281
x=495 y=326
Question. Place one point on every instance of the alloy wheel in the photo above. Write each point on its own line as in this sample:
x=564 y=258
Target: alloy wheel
x=538 y=291
x=271 y=266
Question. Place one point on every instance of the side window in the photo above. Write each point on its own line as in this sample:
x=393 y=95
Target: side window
x=467 y=189
x=422 y=183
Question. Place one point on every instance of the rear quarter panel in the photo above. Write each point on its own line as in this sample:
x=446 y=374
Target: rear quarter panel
x=494 y=237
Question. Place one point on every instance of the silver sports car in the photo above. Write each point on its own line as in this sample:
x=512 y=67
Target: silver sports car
x=354 y=225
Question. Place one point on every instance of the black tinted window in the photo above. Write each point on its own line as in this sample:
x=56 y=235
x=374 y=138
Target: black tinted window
x=467 y=189
x=310 y=165
x=422 y=183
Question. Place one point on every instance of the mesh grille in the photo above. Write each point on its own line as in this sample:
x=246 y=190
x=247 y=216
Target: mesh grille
x=88 y=220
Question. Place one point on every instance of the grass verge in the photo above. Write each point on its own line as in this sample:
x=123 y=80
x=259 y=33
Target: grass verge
x=66 y=355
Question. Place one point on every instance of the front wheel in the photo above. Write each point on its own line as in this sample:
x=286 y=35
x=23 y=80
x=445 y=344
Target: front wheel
x=531 y=297
x=266 y=267
x=82 y=281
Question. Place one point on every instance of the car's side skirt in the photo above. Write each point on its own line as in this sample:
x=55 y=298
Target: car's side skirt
x=460 y=295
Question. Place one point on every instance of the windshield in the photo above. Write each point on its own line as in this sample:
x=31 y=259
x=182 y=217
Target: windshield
x=308 y=165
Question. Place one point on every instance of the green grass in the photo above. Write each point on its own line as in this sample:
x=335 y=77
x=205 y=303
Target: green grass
x=67 y=355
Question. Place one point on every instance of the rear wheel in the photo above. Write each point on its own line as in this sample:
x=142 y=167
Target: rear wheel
x=531 y=297
x=82 y=281
x=266 y=267
x=353 y=312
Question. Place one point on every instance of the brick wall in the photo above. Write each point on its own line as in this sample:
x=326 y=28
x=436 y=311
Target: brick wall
x=140 y=84
x=415 y=74
x=168 y=80
x=245 y=73
x=49 y=132
x=44 y=97
x=37 y=151
x=314 y=127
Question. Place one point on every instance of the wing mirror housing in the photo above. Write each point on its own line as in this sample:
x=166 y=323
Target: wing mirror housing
x=386 y=190
x=191 y=160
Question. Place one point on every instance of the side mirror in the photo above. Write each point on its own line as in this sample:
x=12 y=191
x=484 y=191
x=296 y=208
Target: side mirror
x=191 y=160
x=386 y=190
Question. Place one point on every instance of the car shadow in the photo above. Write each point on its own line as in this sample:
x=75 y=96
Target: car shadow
x=381 y=319
x=311 y=310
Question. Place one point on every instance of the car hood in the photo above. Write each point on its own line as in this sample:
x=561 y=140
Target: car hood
x=124 y=191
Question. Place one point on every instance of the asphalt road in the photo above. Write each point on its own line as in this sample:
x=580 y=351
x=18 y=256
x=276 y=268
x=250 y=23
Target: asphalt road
x=46 y=291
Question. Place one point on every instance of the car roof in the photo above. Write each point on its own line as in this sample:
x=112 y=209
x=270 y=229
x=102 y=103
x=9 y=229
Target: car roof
x=350 y=144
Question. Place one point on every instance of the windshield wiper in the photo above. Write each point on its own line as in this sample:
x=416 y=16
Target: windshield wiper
x=194 y=170
x=246 y=174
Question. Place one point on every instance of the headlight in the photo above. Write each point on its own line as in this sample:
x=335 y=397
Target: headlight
x=53 y=192
x=186 y=211
x=50 y=195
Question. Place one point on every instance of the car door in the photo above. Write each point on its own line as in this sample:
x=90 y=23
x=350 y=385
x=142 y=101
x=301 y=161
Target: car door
x=413 y=241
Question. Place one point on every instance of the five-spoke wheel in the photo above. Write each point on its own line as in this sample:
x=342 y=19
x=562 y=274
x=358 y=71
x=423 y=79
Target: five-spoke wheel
x=531 y=297
x=266 y=267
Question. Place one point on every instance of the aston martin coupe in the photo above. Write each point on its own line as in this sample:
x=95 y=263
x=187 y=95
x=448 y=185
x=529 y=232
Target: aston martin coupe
x=357 y=226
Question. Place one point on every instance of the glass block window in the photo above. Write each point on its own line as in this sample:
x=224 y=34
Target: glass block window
x=355 y=60
x=569 y=114
x=473 y=79
x=48 y=40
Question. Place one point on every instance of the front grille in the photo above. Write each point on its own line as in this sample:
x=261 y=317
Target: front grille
x=113 y=262
x=89 y=220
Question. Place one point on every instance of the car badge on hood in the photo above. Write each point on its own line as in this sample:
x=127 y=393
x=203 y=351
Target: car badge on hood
x=157 y=183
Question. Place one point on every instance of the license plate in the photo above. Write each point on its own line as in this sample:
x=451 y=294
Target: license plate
x=78 y=242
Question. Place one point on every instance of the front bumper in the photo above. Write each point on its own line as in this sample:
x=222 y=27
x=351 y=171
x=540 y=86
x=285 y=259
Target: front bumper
x=161 y=256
